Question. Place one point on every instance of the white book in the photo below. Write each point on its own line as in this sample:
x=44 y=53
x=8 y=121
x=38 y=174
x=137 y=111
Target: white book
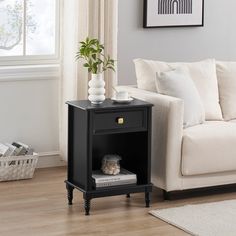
x=3 y=149
x=122 y=182
x=20 y=150
x=25 y=148
x=23 y=145
x=11 y=150
x=124 y=174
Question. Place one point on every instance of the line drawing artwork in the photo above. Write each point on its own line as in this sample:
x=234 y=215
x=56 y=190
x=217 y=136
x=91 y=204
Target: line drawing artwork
x=171 y=7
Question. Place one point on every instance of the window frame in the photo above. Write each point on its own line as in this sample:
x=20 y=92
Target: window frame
x=38 y=59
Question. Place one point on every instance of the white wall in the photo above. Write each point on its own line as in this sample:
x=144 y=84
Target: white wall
x=29 y=112
x=216 y=39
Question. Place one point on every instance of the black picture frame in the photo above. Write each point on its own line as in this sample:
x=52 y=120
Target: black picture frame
x=146 y=15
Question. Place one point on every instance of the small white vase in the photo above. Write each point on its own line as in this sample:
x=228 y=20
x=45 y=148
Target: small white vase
x=96 y=89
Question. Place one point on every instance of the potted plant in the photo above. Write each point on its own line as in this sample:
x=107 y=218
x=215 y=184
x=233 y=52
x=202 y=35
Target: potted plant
x=92 y=52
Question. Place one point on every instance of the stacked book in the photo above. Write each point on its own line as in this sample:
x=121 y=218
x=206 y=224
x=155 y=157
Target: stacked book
x=124 y=177
x=15 y=149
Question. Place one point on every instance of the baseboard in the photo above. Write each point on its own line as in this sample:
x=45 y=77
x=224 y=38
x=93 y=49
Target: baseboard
x=196 y=192
x=50 y=159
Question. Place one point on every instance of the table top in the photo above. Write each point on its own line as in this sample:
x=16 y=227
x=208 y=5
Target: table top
x=107 y=104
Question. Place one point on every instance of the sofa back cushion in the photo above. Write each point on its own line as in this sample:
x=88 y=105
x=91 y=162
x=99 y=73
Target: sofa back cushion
x=203 y=74
x=146 y=73
x=178 y=83
x=226 y=75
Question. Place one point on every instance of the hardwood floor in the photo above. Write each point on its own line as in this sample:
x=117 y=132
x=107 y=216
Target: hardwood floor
x=39 y=207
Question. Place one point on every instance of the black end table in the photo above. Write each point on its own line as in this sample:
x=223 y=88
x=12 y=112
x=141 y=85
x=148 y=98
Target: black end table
x=109 y=128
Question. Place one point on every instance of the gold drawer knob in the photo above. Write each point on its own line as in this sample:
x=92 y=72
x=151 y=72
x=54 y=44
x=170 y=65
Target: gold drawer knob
x=120 y=120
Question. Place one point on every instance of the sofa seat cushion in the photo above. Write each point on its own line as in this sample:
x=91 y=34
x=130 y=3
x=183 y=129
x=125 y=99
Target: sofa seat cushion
x=209 y=148
x=234 y=121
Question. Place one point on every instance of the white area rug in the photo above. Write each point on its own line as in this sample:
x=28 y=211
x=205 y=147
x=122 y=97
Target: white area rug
x=210 y=219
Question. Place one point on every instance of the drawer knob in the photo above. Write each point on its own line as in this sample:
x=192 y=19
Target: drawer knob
x=120 y=120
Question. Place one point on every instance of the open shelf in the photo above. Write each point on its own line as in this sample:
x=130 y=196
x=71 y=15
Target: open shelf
x=132 y=147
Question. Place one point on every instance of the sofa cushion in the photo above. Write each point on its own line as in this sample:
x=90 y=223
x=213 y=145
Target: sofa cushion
x=226 y=75
x=178 y=83
x=146 y=73
x=203 y=74
x=209 y=148
x=234 y=121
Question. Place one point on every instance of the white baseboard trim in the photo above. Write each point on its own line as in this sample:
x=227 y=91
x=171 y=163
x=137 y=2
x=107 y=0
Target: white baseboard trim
x=50 y=159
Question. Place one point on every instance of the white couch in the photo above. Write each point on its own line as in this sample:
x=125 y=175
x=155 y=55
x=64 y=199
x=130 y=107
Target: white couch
x=199 y=156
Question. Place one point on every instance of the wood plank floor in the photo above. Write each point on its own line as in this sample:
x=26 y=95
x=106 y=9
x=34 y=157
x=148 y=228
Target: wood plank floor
x=39 y=207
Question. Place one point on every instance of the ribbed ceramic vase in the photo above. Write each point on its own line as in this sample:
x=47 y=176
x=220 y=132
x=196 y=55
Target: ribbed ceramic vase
x=96 y=89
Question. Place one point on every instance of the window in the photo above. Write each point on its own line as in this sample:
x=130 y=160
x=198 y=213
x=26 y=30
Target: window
x=29 y=31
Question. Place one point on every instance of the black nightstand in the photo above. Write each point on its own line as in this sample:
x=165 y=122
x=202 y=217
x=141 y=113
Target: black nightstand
x=94 y=131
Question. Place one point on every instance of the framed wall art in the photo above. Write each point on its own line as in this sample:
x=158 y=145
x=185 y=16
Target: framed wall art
x=173 y=13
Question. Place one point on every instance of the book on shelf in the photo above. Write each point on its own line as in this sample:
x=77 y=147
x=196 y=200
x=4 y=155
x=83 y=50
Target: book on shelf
x=124 y=177
x=117 y=183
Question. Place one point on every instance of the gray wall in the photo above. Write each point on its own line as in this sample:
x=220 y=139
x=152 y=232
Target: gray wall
x=217 y=39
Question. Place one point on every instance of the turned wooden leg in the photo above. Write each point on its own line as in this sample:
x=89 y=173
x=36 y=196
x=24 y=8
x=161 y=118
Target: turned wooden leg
x=128 y=195
x=69 y=193
x=147 y=199
x=87 y=206
x=166 y=195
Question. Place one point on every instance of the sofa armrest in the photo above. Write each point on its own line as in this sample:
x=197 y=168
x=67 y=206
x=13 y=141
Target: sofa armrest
x=167 y=130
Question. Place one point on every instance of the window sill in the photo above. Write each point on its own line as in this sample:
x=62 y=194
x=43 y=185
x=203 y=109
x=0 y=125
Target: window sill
x=34 y=72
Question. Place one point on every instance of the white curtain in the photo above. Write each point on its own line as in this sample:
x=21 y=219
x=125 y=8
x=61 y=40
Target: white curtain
x=82 y=18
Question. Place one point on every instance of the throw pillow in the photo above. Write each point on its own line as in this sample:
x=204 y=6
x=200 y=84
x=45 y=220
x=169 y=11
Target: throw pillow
x=226 y=75
x=202 y=73
x=178 y=83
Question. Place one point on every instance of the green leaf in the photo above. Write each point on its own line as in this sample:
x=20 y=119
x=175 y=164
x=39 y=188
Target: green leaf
x=95 y=68
x=94 y=56
x=86 y=65
x=112 y=68
x=99 y=61
x=93 y=41
x=92 y=51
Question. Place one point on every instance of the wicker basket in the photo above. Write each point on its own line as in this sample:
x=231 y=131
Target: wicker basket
x=17 y=167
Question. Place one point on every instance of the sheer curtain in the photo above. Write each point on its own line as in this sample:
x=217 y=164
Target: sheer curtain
x=82 y=18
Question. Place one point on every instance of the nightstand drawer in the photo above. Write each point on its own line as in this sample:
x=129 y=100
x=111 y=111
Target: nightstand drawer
x=135 y=119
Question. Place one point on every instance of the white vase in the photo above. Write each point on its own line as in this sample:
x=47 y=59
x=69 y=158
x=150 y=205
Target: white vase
x=96 y=89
